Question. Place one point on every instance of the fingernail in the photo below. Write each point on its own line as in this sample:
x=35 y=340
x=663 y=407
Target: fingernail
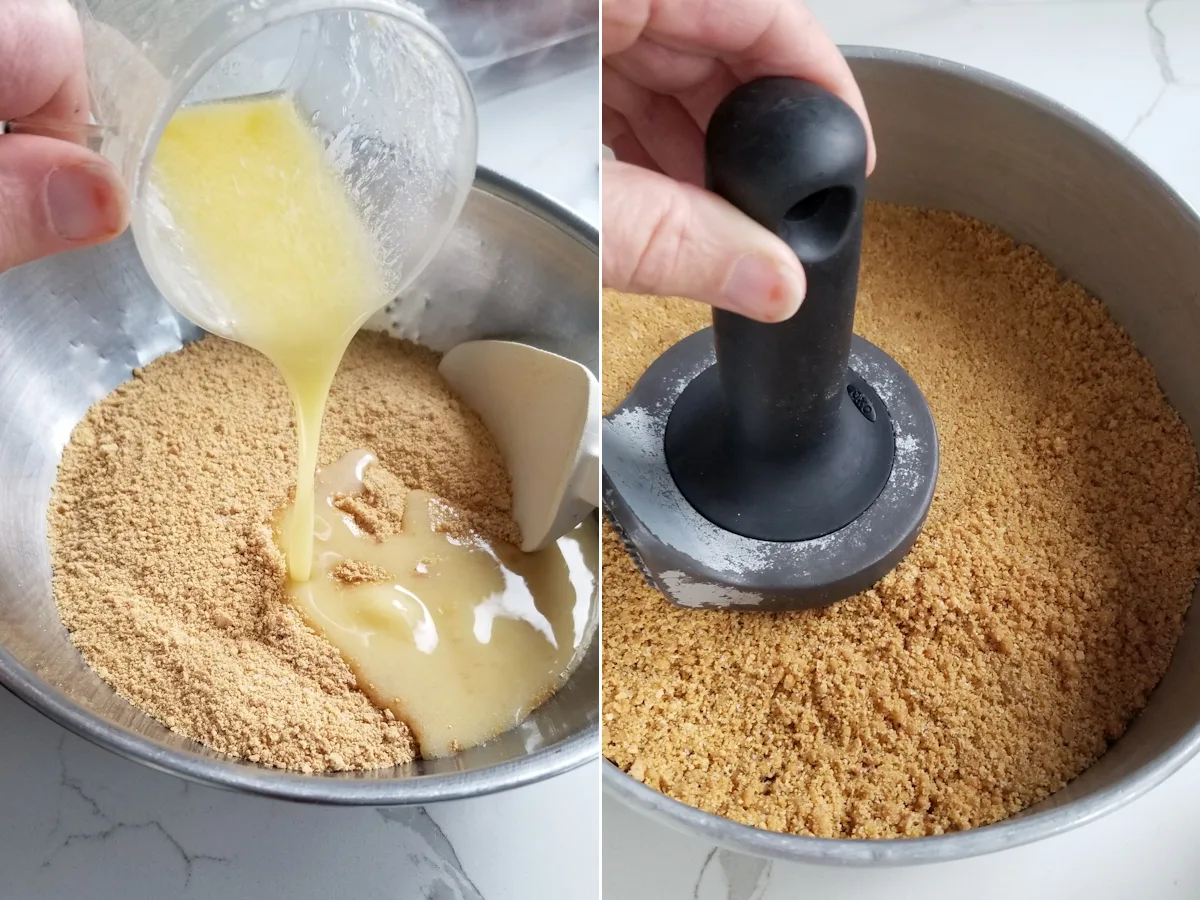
x=763 y=289
x=82 y=203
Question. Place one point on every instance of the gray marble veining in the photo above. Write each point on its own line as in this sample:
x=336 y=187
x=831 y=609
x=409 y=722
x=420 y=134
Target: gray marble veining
x=732 y=876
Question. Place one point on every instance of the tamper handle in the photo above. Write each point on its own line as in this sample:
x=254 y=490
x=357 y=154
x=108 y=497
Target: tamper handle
x=793 y=157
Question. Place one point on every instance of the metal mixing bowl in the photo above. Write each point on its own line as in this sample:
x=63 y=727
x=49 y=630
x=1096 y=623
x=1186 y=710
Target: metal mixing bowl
x=72 y=328
x=954 y=138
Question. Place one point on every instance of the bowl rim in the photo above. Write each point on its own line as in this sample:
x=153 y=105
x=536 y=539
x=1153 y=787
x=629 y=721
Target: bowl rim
x=233 y=774
x=1024 y=828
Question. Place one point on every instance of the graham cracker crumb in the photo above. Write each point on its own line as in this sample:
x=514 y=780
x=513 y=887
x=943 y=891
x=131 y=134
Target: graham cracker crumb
x=165 y=570
x=378 y=509
x=352 y=571
x=1028 y=625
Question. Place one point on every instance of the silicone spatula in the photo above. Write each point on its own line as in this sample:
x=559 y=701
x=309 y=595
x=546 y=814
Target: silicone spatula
x=543 y=411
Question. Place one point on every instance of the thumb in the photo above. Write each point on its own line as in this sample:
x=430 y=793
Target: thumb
x=664 y=237
x=55 y=196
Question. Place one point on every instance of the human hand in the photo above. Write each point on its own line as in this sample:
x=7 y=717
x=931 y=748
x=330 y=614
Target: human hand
x=54 y=195
x=667 y=64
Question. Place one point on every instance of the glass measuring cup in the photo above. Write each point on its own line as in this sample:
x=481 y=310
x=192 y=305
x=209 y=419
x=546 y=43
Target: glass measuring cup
x=379 y=85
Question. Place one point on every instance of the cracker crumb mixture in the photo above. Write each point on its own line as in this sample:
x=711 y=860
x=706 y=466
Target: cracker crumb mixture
x=353 y=571
x=165 y=570
x=1027 y=627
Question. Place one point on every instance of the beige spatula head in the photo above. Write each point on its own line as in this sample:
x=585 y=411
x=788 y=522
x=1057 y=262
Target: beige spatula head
x=543 y=411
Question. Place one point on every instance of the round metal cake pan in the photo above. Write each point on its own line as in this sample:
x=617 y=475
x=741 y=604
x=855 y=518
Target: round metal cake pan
x=954 y=138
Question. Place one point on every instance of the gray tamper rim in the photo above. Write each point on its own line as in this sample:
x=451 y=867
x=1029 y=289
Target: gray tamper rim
x=700 y=565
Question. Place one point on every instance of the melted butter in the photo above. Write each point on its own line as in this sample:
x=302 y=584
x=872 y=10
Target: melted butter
x=464 y=638
x=271 y=227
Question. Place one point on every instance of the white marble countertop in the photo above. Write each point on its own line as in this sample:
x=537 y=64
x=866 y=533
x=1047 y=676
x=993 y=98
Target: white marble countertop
x=1133 y=68
x=78 y=823
x=548 y=138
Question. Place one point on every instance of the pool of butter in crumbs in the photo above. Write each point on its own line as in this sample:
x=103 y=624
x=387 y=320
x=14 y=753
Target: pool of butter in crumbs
x=1026 y=628
x=166 y=572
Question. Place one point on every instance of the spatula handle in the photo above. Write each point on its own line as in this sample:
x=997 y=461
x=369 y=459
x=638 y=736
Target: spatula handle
x=589 y=480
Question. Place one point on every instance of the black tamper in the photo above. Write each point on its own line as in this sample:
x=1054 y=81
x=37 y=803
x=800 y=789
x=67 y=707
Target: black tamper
x=776 y=466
